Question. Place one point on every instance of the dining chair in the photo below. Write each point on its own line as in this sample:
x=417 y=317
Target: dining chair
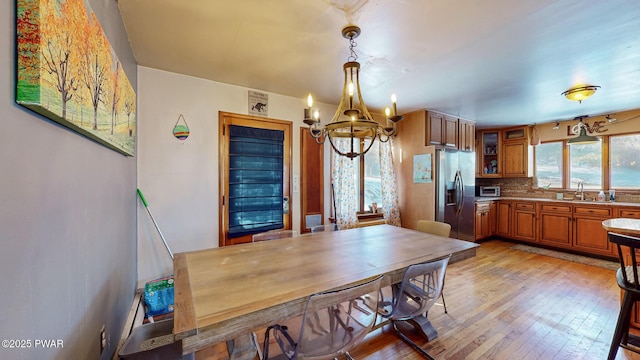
x=440 y=229
x=420 y=288
x=274 y=234
x=324 y=228
x=628 y=281
x=333 y=323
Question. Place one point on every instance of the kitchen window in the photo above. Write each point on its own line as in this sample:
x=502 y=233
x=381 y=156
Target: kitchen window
x=550 y=165
x=585 y=164
x=610 y=163
x=624 y=165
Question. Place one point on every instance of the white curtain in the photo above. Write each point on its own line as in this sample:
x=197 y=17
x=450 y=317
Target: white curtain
x=391 y=208
x=343 y=177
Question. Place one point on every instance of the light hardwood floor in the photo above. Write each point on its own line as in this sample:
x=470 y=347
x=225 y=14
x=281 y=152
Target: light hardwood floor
x=509 y=304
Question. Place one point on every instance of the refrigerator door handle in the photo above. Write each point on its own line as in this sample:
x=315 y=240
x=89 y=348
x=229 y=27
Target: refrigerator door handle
x=461 y=185
x=456 y=181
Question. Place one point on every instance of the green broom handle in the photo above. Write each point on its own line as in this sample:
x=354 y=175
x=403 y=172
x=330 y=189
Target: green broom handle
x=144 y=201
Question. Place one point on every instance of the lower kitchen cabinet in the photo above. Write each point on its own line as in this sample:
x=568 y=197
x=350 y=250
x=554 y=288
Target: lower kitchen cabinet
x=503 y=218
x=555 y=225
x=524 y=220
x=573 y=226
x=493 y=213
x=588 y=234
x=483 y=220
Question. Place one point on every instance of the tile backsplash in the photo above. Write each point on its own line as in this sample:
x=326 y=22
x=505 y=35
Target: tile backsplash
x=524 y=188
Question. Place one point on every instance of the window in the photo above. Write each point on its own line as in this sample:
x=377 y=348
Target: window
x=585 y=164
x=624 y=166
x=371 y=172
x=549 y=166
x=563 y=166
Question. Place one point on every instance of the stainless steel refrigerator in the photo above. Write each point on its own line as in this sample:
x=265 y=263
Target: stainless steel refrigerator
x=455 y=191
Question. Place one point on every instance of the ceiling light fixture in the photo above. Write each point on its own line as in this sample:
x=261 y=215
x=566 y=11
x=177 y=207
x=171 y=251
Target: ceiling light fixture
x=582 y=137
x=580 y=92
x=610 y=119
x=352 y=120
x=556 y=126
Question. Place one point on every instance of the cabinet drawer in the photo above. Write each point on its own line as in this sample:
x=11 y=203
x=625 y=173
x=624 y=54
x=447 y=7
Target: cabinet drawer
x=628 y=213
x=481 y=206
x=594 y=211
x=555 y=208
x=528 y=206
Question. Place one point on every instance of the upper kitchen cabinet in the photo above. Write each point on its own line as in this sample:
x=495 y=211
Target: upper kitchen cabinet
x=517 y=152
x=434 y=129
x=449 y=131
x=466 y=135
x=505 y=153
x=490 y=160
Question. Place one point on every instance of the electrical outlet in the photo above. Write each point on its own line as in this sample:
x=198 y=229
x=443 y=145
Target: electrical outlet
x=103 y=338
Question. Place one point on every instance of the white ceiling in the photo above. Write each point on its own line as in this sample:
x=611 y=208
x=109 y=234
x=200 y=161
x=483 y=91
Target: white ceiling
x=498 y=62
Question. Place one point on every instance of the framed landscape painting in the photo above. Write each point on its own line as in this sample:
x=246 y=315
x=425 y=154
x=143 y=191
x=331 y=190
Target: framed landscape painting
x=68 y=72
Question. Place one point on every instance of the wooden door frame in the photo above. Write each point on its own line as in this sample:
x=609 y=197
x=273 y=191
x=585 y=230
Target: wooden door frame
x=224 y=120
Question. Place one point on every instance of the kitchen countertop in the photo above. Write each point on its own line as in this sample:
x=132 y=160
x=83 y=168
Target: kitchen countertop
x=583 y=202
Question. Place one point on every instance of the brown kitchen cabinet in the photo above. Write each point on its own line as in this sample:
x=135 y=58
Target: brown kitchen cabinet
x=434 y=126
x=504 y=153
x=633 y=213
x=450 y=132
x=503 y=219
x=555 y=224
x=441 y=130
x=490 y=160
x=517 y=153
x=483 y=220
x=466 y=135
x=524 y=220
x=493 y=213
x=588 y=234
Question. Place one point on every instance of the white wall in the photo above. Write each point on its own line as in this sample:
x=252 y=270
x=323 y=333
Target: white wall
x=180 y=178
x=67 y=220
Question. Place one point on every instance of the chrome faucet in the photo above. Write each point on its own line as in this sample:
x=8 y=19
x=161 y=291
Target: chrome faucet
x=580 y=191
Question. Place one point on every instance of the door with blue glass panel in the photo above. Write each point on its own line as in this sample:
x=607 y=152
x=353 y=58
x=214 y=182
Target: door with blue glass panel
x=255 y=155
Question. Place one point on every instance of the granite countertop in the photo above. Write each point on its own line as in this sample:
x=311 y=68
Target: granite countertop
x=584 y=202
x=624 y=226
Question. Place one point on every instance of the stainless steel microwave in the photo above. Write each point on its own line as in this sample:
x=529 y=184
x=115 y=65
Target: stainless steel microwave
x=489 y=191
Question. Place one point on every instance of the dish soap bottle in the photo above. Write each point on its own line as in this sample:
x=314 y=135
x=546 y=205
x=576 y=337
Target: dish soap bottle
x=601 y=196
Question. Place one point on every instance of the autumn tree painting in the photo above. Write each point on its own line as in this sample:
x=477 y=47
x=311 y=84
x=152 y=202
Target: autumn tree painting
x=68 y=72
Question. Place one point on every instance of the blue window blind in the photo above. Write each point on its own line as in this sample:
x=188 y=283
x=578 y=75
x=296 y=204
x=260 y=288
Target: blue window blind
x=256 y=165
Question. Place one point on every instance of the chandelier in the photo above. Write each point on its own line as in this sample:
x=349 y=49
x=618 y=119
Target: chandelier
x=352 y=120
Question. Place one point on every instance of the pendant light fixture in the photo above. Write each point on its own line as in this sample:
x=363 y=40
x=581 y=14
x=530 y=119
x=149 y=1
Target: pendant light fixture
x=352 y=120
x=582 y=137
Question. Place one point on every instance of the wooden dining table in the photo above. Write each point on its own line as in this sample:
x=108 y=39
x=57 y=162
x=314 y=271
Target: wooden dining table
x=223 y=294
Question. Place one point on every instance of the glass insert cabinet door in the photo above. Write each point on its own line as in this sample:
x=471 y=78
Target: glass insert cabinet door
x=490 y=153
